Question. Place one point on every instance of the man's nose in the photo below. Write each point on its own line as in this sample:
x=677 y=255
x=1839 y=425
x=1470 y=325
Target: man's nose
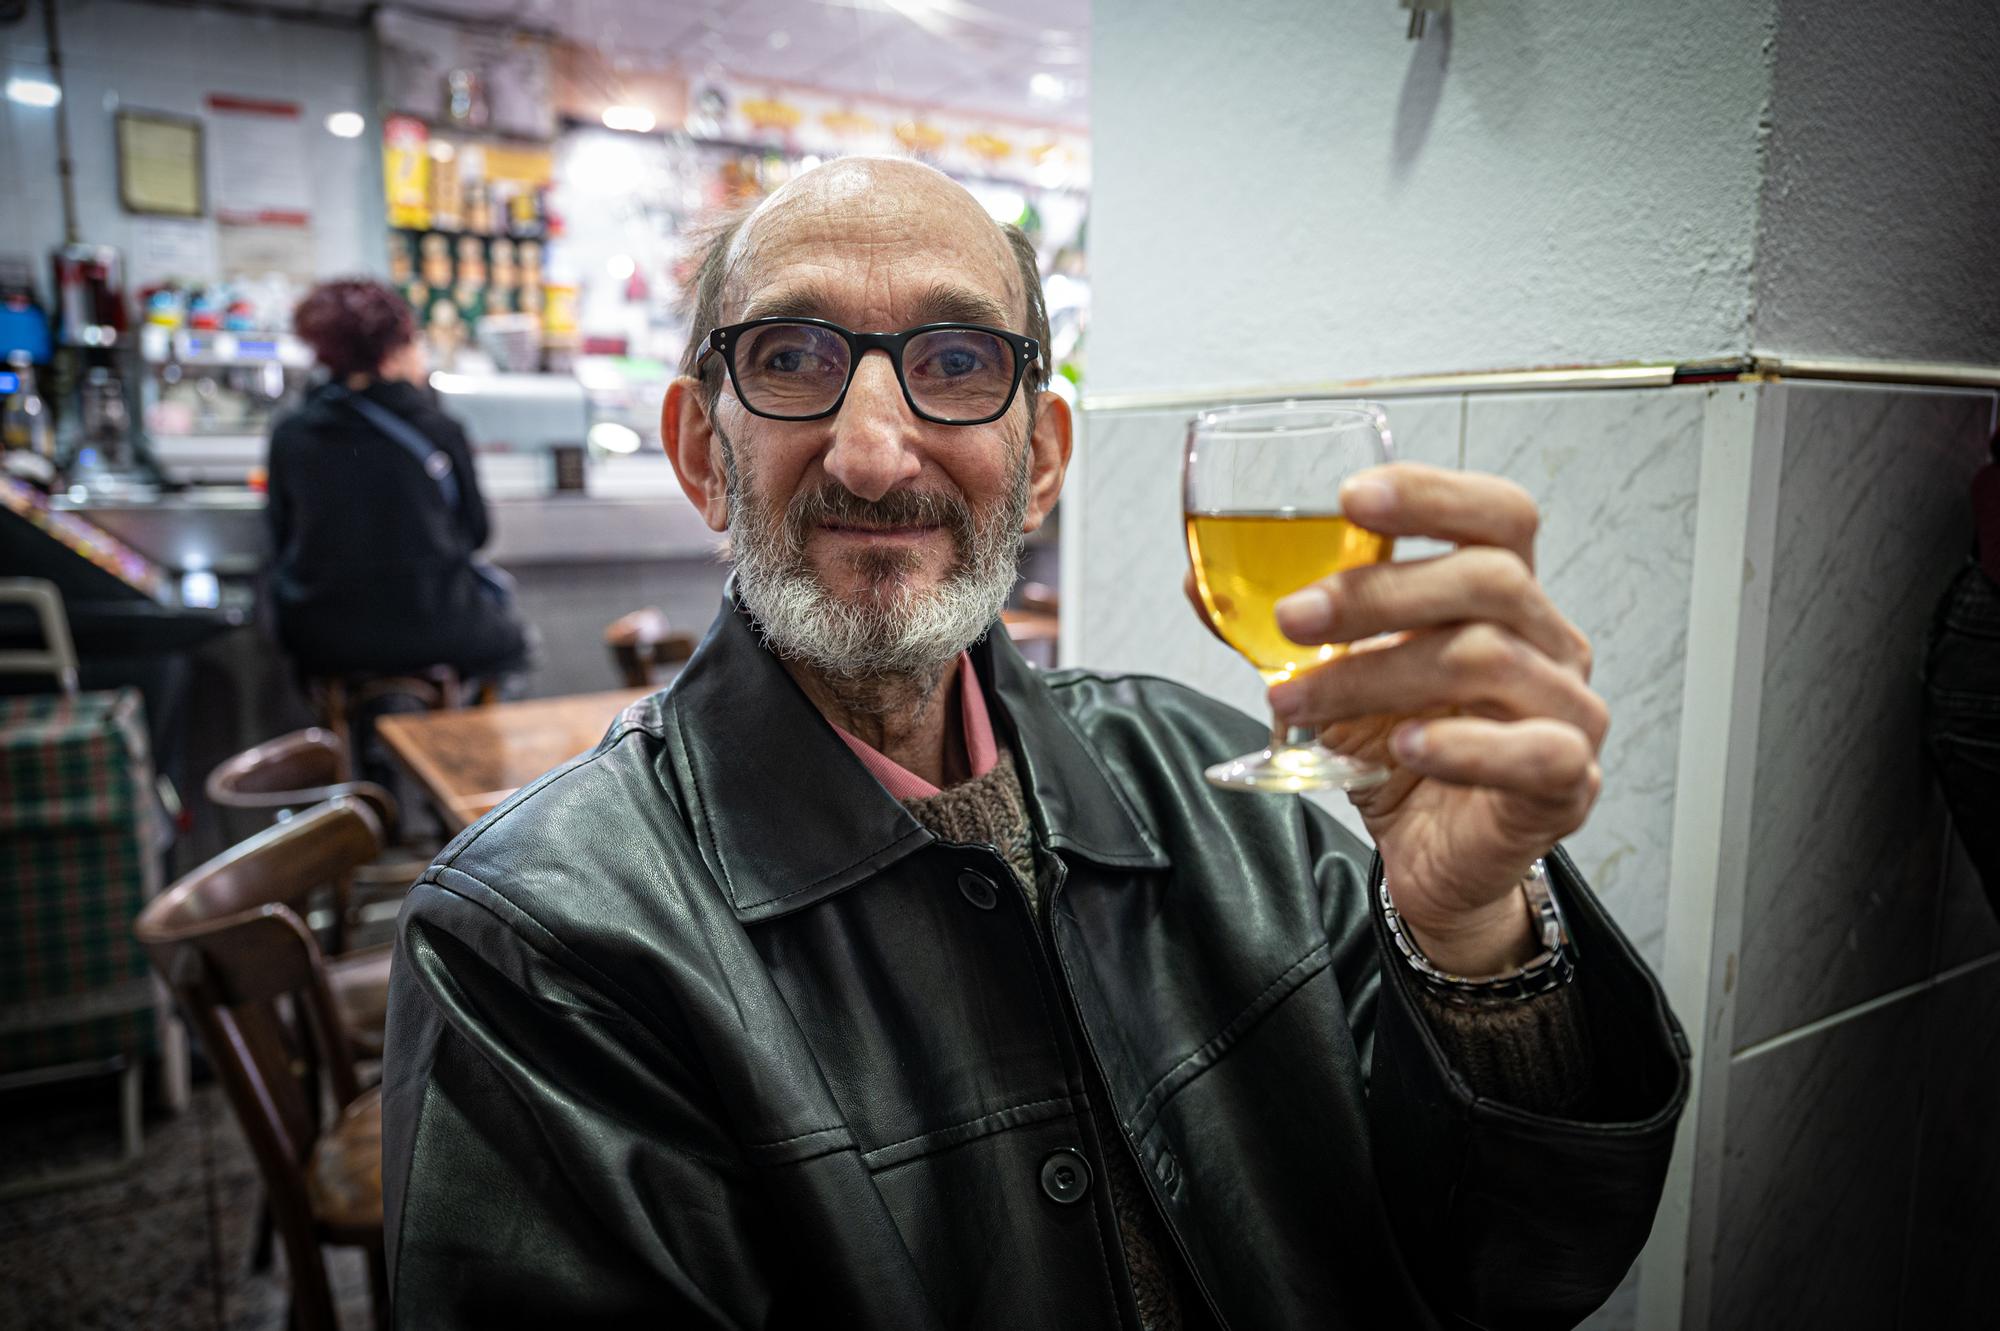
x=874 y=432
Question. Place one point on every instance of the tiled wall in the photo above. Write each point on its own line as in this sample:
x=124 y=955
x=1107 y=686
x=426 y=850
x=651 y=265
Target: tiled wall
x=1841 y=1157
x=1856 y=1177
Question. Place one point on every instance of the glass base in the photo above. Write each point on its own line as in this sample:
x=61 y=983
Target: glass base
x=1296 y=767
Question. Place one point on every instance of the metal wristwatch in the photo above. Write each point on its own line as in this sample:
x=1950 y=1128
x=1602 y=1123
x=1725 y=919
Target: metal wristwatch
x=1551 y=969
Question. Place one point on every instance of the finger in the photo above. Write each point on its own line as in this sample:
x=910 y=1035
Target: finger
x=1480 y=583
x=1193 y=593
x=1481 y=668
x=1549 y=762
x=1464 y=507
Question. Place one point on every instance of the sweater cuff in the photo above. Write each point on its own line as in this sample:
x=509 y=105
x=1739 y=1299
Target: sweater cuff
x=1532 y=1054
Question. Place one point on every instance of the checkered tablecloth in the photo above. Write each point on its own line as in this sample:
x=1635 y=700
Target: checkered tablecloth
x=77 y=861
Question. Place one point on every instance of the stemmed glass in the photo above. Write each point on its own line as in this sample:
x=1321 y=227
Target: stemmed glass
x=1261 y=493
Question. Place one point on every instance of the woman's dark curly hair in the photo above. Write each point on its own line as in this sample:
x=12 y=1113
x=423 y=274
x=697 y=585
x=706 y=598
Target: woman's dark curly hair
x=353 y=323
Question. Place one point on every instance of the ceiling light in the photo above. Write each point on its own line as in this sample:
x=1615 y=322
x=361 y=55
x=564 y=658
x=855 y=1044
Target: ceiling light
x=1046 y=87
x=33 y=92
x=636 y=119
x=345 y=124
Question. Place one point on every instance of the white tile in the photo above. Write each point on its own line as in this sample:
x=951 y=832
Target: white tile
x=1818 y=1176
x=1846 y=857
x=1616 y=475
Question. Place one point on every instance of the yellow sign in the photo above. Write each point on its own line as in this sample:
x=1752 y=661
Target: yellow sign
x=406 y=171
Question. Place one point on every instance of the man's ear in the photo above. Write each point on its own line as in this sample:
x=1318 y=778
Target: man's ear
x=1048 y=457
x=696 y=451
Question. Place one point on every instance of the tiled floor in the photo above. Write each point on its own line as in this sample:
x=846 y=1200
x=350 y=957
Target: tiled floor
x=165 y=1246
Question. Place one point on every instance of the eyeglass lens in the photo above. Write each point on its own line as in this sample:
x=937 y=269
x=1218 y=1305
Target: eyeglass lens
x=954 y=374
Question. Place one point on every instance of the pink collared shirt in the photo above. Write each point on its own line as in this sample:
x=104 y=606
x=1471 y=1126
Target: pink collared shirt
x=980 y=750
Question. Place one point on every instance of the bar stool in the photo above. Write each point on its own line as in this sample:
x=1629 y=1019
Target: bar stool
x=643 y=644
x=238 y=960
x=338 y=699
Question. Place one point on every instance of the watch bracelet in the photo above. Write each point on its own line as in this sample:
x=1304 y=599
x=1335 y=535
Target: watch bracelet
x=1553 y=968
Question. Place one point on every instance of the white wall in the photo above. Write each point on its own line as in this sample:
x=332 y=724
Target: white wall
x=1880 y=233
x=1288 y=190
x=169 y=59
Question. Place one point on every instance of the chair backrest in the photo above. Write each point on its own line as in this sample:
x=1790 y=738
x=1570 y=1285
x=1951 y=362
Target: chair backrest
x=642 y=643
x=236 y=955
x=292 y=772
x=57 y=659
x=246 y=970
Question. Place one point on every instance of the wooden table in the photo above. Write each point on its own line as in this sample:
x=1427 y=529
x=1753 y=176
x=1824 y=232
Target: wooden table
x=471 y=759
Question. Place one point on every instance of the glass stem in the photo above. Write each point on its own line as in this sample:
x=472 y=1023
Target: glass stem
x=1292 y=737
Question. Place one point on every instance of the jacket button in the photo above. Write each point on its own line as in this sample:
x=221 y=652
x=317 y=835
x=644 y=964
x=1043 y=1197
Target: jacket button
x=977 y=889
x=1065 y=1176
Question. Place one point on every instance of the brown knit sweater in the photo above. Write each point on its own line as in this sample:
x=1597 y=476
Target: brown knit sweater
x=1534 y=1055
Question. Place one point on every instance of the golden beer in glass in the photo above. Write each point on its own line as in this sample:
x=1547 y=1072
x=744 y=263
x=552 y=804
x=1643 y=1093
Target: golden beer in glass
x=1261 y=486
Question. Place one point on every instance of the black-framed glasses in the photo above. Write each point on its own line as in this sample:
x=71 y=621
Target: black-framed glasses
x=799 y=369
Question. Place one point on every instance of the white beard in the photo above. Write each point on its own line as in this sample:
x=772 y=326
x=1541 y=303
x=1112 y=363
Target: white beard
x=896 y=631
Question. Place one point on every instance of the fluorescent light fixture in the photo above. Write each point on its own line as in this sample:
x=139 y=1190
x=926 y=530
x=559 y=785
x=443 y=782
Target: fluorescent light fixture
x=614 y=438
x=345 y=124
x=1046 y=87
x=636 y=119
x=33 y=92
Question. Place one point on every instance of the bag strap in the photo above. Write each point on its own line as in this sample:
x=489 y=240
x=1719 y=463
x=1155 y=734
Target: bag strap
x=434 y=460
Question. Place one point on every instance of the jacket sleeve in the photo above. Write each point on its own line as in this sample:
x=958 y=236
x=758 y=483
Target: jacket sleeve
x=1509 y=1218
x=547 y=1158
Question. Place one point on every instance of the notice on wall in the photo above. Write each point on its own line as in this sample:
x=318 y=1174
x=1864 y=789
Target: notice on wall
x=257 y=160
x=257 y=249
x=169 y=250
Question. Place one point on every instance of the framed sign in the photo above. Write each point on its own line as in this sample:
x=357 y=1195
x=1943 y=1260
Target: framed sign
x=159 y=164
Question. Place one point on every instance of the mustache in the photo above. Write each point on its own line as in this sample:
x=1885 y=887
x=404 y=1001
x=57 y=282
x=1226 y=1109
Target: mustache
x=835 y=503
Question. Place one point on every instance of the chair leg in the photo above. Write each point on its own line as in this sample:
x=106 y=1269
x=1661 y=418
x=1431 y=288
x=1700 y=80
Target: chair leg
x=343 y=893
x=260 y=1252
x=378 y=1287
x=131 y=1090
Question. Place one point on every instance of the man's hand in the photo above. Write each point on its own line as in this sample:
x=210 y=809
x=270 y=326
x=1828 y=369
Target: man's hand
x=1478 y=700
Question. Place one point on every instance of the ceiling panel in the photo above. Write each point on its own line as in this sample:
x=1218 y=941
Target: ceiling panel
x=973 y=55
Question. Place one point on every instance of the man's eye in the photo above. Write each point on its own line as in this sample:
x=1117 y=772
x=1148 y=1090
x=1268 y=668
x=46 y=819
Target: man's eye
x=797 y=360
x=952 y=363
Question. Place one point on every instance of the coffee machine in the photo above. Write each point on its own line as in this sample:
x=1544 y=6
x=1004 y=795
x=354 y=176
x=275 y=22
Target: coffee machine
x=99 y=445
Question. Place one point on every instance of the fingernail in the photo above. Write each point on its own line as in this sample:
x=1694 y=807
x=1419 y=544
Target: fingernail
x=1305 y=612
x=1408 y=741
x=1283 y=697
x=1367 y=499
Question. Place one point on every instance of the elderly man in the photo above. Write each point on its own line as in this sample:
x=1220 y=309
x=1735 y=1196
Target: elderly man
x=868 y=978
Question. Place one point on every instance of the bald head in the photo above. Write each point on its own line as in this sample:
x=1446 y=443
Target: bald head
x=875 y=244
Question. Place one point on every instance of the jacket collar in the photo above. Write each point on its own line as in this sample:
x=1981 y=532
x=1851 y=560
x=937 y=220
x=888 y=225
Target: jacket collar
x=784 y=813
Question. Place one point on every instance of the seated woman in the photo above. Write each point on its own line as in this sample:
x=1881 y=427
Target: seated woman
x=375 y=509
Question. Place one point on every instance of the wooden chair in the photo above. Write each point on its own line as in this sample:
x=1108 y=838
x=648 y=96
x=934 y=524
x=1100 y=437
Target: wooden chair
x=643 y=644
x=249 y=976
x=273 y=782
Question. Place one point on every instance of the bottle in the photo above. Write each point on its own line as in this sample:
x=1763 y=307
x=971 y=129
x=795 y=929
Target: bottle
x=25 y=429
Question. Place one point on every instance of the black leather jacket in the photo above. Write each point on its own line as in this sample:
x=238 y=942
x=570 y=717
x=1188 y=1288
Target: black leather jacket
x=704 y=1030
